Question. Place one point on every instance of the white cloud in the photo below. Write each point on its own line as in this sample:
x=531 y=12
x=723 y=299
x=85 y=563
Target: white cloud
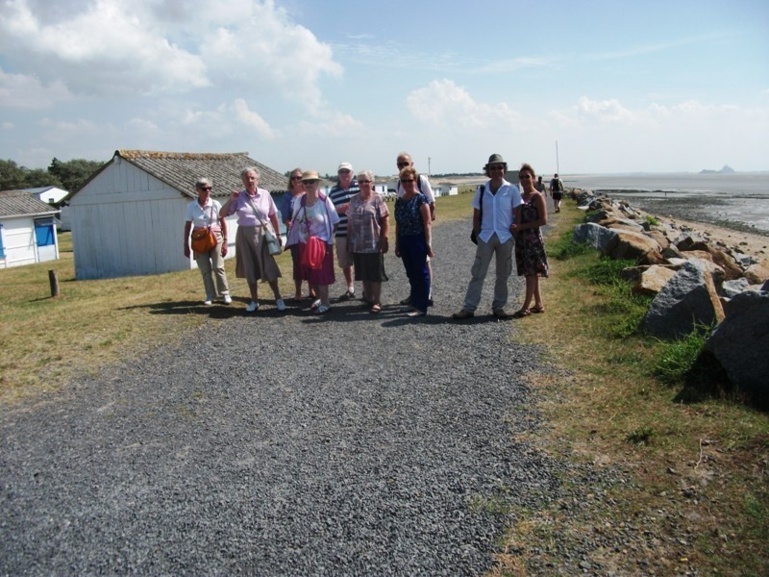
x=444 y=104
x=103 y=48
x=331 y=125
x=268 y=52
x=119 y=47
x=26 y=92
x=252 y=119
x=600 y=111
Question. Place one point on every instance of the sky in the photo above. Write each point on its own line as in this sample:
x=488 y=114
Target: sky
x=583 y=87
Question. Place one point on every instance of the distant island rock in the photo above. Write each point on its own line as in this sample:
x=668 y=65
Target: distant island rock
x=725 y=170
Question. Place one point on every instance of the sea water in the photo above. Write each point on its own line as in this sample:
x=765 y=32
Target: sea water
x=717 y=198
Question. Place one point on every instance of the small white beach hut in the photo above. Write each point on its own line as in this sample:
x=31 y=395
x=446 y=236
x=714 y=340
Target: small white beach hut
x=128 y=218
x=27 y=230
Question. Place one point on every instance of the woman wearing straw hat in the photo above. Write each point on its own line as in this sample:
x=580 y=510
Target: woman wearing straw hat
x=315 y=220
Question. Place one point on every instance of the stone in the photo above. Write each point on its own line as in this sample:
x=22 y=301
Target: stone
x=741 y=344
x=653 y=280
x=757 y=273
x=688 y=299
x=671 y=252
x=636 y=246
x=729 y=266
x=731 y=288
x=660 y=238
x=595 y=235
x=620 y=223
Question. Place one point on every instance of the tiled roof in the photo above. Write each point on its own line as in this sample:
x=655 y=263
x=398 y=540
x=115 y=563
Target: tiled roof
x=181 y=170
x=22 y=203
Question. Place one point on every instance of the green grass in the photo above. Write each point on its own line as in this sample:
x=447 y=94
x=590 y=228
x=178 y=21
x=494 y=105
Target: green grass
x=657 y=410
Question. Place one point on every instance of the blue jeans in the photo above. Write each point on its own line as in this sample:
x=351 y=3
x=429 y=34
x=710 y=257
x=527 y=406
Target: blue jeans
x=413 y=251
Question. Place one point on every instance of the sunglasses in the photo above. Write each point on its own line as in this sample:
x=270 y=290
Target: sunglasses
x=206 y=188
x=402 y=164
x=364 y=182
x=497 y=167
x=407 y=180
x=296 y=178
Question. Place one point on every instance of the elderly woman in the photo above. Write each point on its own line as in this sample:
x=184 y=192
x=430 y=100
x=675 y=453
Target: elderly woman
x=530 y=257
x=315 y=216
x=204 y=213
x=294 y=192
x=413 y=239
x=367 y=228
x=256 y=214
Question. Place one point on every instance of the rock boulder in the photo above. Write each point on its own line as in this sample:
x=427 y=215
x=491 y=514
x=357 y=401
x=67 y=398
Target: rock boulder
x=741 y=344
x=689 y=298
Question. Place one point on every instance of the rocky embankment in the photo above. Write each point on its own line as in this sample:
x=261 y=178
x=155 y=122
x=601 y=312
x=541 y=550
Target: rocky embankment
x=696 y=278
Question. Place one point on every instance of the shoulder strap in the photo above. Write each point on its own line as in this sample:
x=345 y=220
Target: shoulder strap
x=480 y=202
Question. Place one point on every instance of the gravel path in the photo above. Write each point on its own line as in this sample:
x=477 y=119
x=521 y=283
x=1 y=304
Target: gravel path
x=292 y=445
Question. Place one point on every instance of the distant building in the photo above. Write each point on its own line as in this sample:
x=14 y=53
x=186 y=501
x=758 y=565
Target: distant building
x=49 y=194
x=445 y=189
x=128 y=218
x=27 y=230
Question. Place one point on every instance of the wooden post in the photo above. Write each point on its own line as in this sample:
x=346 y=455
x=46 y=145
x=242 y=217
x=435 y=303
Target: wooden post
x=54 y=280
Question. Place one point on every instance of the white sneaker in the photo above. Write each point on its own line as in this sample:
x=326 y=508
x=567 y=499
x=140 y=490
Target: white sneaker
x=208 y=302
x=280 y=304
x=252 y=307
x=227 y=299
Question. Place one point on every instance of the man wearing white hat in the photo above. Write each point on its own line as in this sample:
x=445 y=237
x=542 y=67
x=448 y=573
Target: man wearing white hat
x=340 y=194
x=493 y=206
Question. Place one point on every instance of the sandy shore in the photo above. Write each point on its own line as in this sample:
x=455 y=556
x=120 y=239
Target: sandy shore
x=745 y=242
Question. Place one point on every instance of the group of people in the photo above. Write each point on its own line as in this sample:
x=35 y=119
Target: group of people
x=352 y=224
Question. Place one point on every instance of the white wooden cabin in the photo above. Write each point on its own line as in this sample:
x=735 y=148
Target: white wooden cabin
x=128 y=218
x=445 y=189
x=49 y=194
x=27 y=230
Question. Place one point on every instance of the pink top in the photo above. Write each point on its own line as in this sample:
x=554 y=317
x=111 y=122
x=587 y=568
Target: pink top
x=245 y=204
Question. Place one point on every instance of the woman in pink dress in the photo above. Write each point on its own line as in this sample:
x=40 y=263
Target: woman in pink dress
x=256 y=212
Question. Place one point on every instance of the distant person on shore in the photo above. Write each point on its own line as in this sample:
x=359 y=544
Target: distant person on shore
x=413 y=239
x=530 y=257
x=404 y=160
x=540 y=186
x=205 y=212
x=256 y=212
x=493 y=206
x=340 y=195
x=367 y=226
x=314 y=216
x=294 y=192
x=556 y=190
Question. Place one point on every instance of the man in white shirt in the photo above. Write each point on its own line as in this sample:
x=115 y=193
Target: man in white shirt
x=493 y=206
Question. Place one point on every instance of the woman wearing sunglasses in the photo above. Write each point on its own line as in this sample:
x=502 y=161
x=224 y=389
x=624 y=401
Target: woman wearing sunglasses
x=367 y=228
x=413 y=239
x=530 y=257
x=203 y=213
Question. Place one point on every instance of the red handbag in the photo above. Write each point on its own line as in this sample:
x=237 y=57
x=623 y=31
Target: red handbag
x=314 y=253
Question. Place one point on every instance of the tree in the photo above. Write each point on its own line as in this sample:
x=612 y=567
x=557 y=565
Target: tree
x=11 y=175
x=73 y=173
x=15 y=177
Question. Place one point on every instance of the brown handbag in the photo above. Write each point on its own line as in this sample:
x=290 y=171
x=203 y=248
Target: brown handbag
x=203 y=240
